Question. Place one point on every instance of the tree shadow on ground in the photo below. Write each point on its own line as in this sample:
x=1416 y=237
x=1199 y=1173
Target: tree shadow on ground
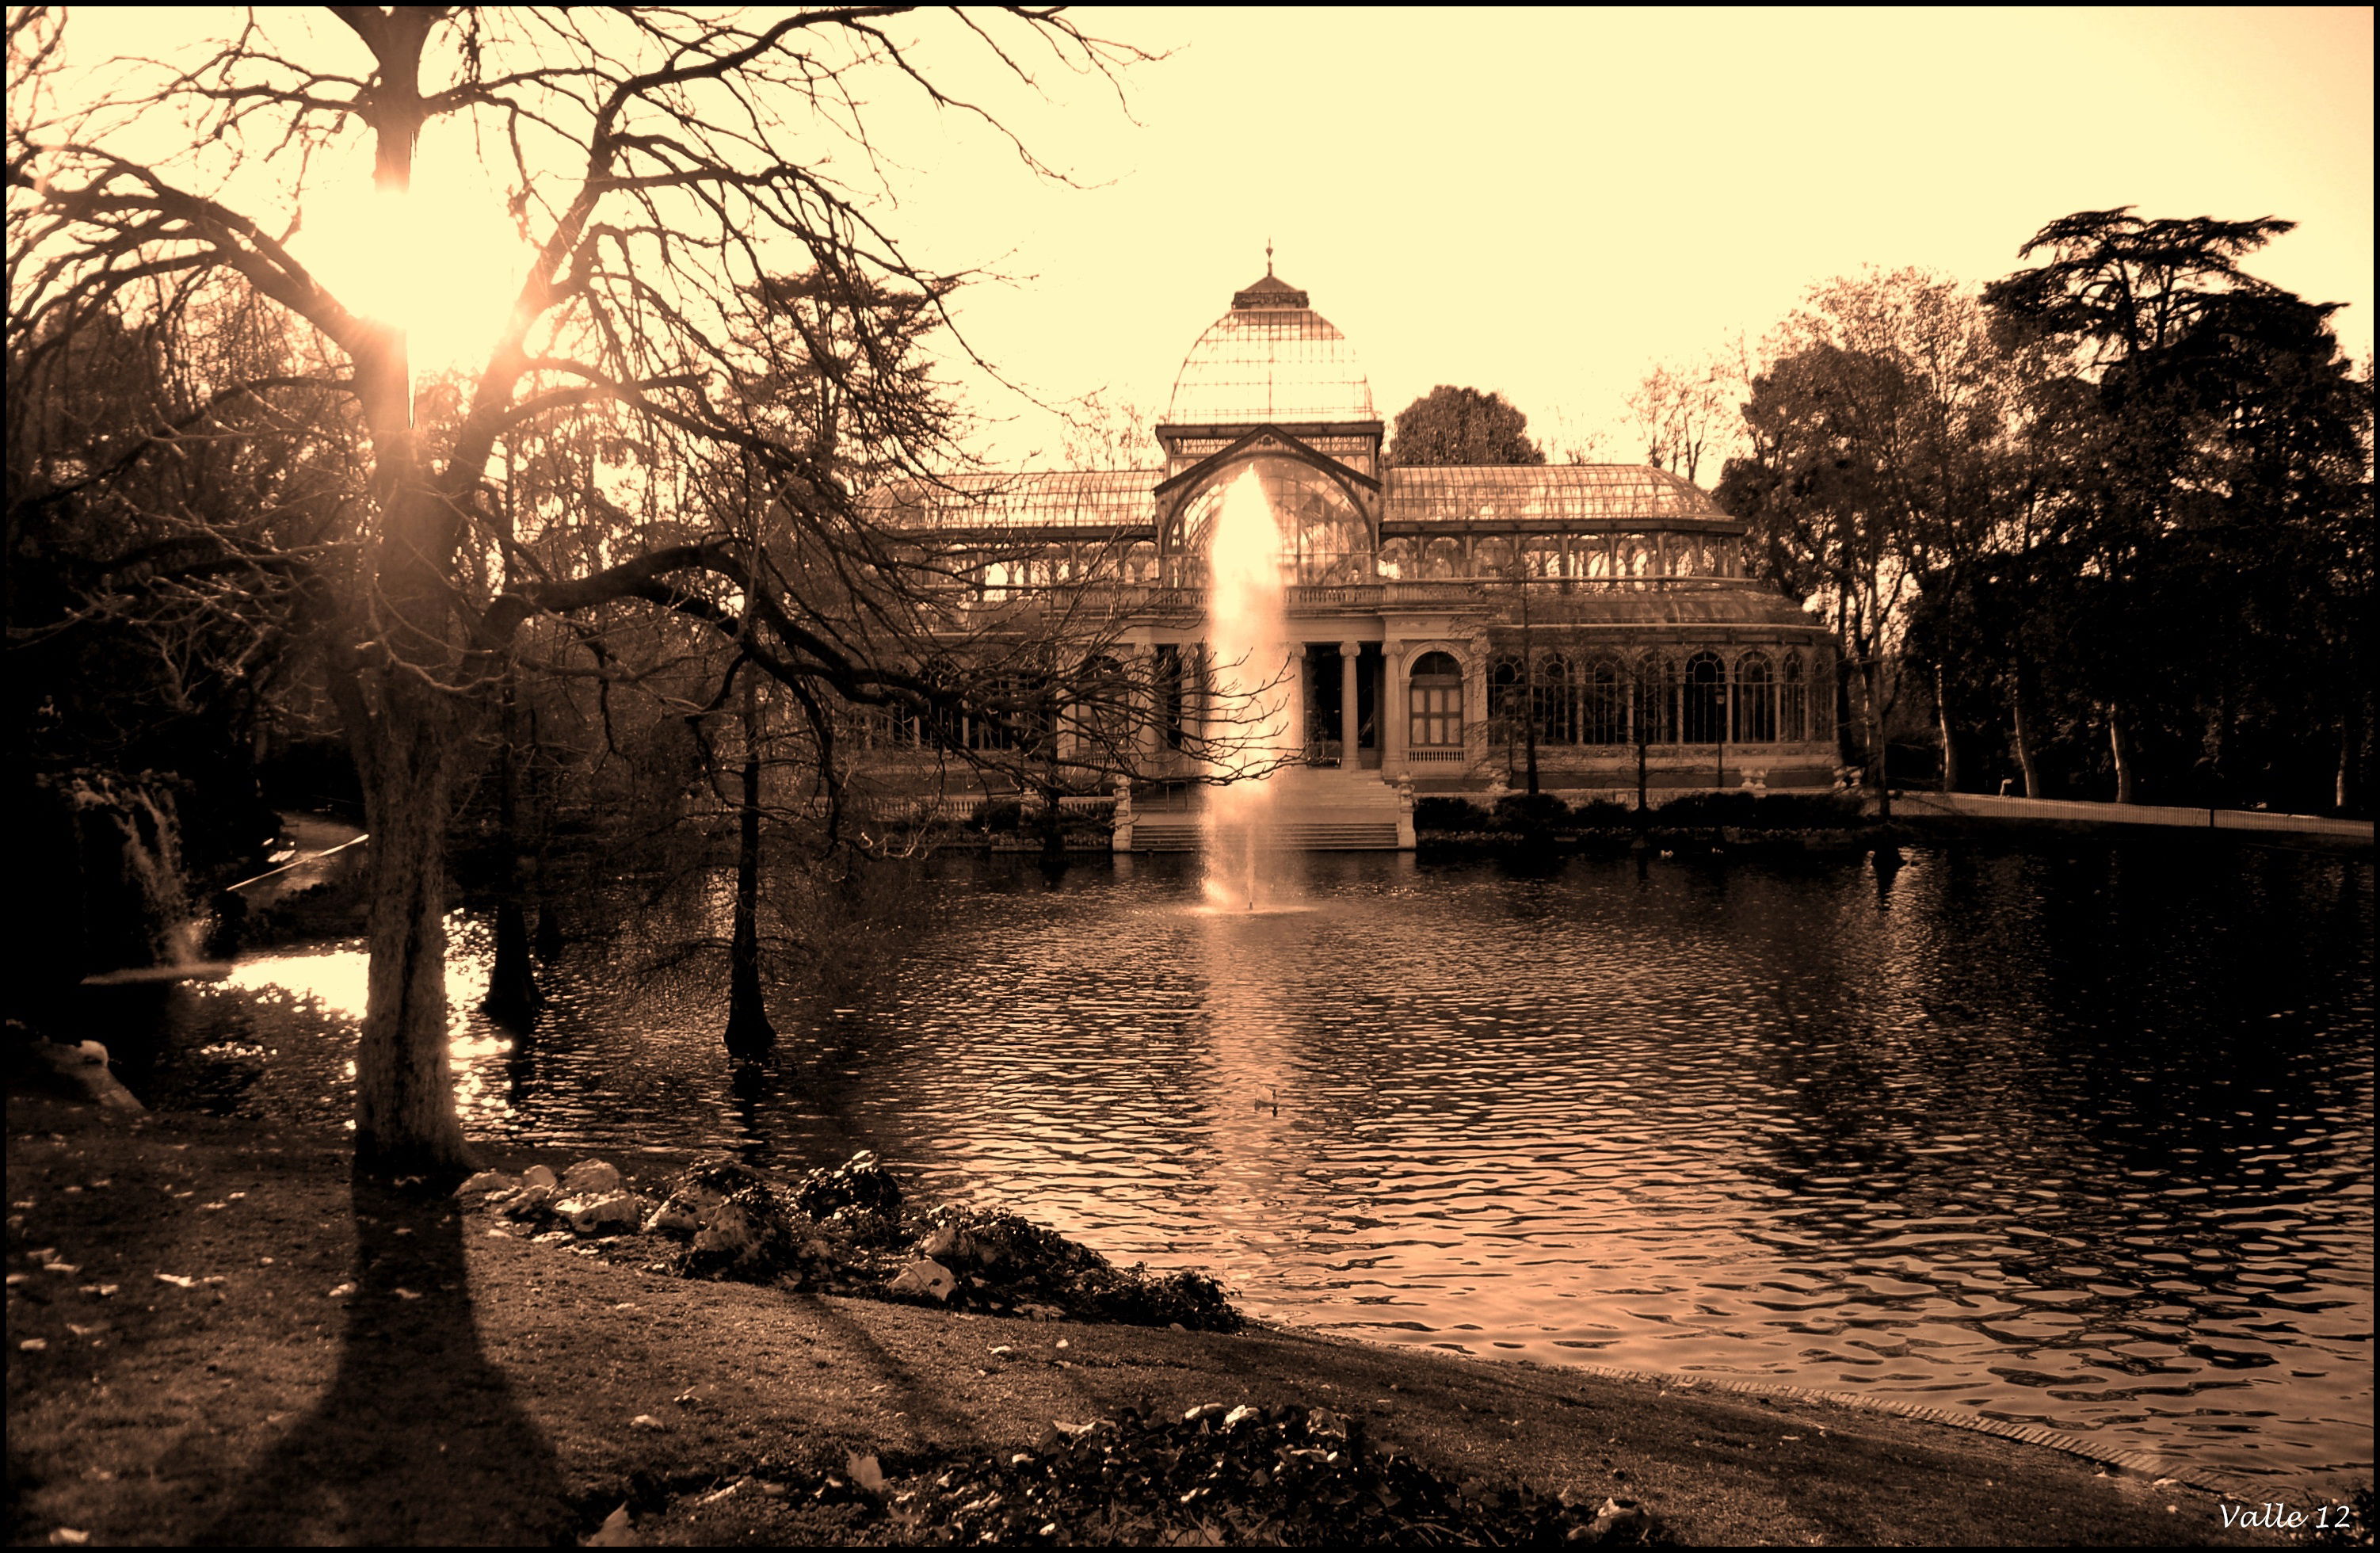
x=419 y=1439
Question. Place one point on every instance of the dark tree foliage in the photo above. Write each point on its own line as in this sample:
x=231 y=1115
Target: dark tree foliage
x=2204 y=561
x=1449 y=426
x=1877 y=463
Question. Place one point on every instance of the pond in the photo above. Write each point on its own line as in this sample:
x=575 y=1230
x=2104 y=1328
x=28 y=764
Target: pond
x=2078 y=1137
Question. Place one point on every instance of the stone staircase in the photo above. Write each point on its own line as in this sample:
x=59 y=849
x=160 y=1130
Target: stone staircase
x=1314 y=809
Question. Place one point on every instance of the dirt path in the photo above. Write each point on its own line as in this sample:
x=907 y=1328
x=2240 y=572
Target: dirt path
x=468 y=1386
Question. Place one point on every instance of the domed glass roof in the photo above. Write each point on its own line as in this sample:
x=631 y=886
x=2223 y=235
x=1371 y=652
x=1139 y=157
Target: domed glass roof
x=1271 y=358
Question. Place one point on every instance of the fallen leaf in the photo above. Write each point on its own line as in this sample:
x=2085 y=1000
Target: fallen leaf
x=177 y=1280
x=865 y=1472
x=646 y=1421
x=341 y=1292
x=33 y=1345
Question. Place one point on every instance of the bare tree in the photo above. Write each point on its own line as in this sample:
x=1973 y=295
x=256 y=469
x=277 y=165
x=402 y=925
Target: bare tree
x=658 y=164
x=1684 y=413
x=1105 y=430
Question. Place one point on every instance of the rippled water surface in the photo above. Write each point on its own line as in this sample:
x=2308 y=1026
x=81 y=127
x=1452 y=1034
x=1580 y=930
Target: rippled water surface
x=2079 y=1140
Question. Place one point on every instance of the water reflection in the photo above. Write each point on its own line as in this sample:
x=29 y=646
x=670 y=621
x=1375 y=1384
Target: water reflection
x=2077 y=1140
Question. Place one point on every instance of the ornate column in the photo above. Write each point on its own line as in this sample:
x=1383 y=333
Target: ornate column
x=1474 y=704
x=1350 y=728
x=1393 y=707
x=1149 y=739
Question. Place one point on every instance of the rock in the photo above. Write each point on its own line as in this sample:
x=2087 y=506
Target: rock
x=538 y=1175
x=924 y=1276
x=485 y=1182
x=675 y=1217
x=618 y=1211
x=591 y=1178
x=532 y=1200
x=84 y=1066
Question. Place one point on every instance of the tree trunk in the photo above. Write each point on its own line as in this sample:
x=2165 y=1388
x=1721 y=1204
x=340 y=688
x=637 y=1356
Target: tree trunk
x=749 y=1030
x=2346 y=761
x=1644 y=739
x=513 y=997
x=1845 y=723
x=1880 y=773
x=405 y=1092
x=1529 y=686
x=2121 y=747
x=2023 y=733
x=1949 y=744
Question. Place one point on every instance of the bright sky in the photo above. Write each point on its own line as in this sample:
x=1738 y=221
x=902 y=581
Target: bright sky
x=1547 y=202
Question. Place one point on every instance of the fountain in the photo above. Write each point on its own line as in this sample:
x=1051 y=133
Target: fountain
x=1248 y=737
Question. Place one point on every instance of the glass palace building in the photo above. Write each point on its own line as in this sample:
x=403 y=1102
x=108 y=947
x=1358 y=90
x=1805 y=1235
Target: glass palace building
x=1439 y=617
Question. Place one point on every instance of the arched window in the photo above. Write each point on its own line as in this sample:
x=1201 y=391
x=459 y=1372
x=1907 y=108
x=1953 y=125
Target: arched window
x=1492 y=558
x=1441 y=560
x=1435 y=705
x=1324 y=540
x=1793 y=702
x=1755 y=700
x=1636 y=556
x=1603 y=703
x=1557 y=701
x=1705 y=698
x=1506 y=676
x=1598 y=562
x=1397 y=560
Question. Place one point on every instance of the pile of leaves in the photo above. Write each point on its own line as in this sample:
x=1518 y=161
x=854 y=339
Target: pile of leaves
x=1000 y=1263
x=1287 y=1474
x=849 y=1230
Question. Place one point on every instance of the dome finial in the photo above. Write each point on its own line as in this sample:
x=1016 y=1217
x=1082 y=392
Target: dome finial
x=1268 y=255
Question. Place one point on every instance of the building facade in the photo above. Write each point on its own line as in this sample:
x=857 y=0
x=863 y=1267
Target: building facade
x=1442 y=619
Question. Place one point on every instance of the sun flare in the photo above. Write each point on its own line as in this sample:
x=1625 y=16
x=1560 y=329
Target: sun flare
x=443 y=267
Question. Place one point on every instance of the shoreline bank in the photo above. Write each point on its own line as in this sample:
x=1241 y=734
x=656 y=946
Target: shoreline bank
x=472 y=1386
